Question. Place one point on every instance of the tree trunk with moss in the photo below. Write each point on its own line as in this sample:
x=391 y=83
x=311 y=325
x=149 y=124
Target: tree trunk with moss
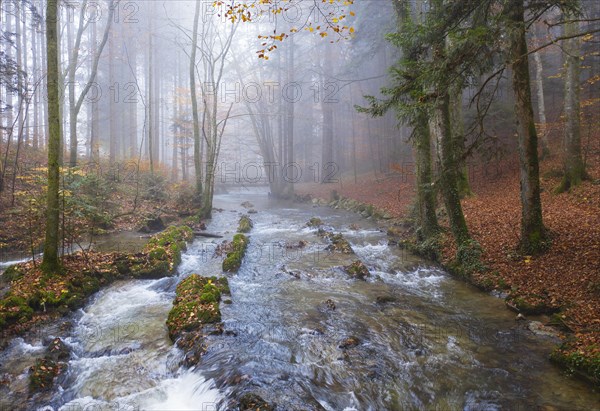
x=449 y=146
x=427 y=224
x=574 y=168
x=50 y=263
x=533 y=233
x=439 y=124
x=458 y=138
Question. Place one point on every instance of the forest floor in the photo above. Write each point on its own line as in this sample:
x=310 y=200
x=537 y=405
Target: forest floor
x=101 y=199
x=564 y=281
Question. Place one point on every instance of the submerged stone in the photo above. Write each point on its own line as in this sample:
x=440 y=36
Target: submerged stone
x=252 y=402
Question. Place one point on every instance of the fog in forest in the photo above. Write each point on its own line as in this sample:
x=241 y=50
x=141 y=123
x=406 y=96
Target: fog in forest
x=294 y=204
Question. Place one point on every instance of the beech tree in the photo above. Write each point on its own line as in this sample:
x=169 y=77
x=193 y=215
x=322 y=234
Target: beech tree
x=50 y=262
x=574 y=168
x=75 y=102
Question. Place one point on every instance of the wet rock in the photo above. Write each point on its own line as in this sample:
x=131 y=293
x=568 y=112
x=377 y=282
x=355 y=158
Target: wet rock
x=252 y=211
x=196 y=304
x=294 y=246
x=385 y=299
x=354 y=227
x=357 y=270
x=152 y=224
x=520 y=317
x=542 y=330
x=245 y=224
x=330 y=304
x=233 y=261
x=395 y=235
x=306 y=198
x=247 y=204
x=58 y=351
x=44 y=373
x=349 y=342
x=296 y=274
x=338 y=244
x=314 y=222
x=194 y=346
x=252 y=402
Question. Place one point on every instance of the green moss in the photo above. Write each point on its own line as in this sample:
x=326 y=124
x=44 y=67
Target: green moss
x=12 y=273
x=15 y=309
x=575 y=362
x=357 y=270
x=43 y=374
x=245 y=224
x=172 y=234
x=532 y=304
x=158 y=253
x=233 y=261
x=196 y=304
x=339 y=244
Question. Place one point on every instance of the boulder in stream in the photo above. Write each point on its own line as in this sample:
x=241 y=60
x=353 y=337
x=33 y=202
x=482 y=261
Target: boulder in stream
x=357 y=270
x=252 y=402
x=245 y=224
x=46 y=370
x=196 y=314
x=233 y=261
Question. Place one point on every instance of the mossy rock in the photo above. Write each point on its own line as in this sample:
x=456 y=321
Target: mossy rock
x=314 y=222
x=357 y=270
x=531 y=304
x=172 y=235
x=159 y=253
x=395 y=235
x=245 y=224
x=577 y=362
x=339 y=244
x=57 y=351
x=12 y=273
x=196 y=304
x=15 y=309
x=43 y=374
x=233 y=261
x=151 y=272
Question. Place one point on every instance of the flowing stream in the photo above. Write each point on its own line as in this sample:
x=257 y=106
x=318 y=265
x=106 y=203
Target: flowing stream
x=425 y=340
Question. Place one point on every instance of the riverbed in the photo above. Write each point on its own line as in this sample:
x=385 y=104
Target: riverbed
x=420 y=339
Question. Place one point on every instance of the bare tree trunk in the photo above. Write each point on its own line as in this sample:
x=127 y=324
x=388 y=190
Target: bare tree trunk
x=327 y=157
x=289 y=166
x=539 y=86
x=574 y=167
x=174 y=166
x=36 y=96
x=50 y=263
x=112 y=145
x=533 y=232
x=150 y=91
x=195 y=119
x=22 y=93
x=45 y=122
x=29 y=83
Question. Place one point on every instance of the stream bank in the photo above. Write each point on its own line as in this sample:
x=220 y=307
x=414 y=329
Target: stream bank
x=301 y=333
